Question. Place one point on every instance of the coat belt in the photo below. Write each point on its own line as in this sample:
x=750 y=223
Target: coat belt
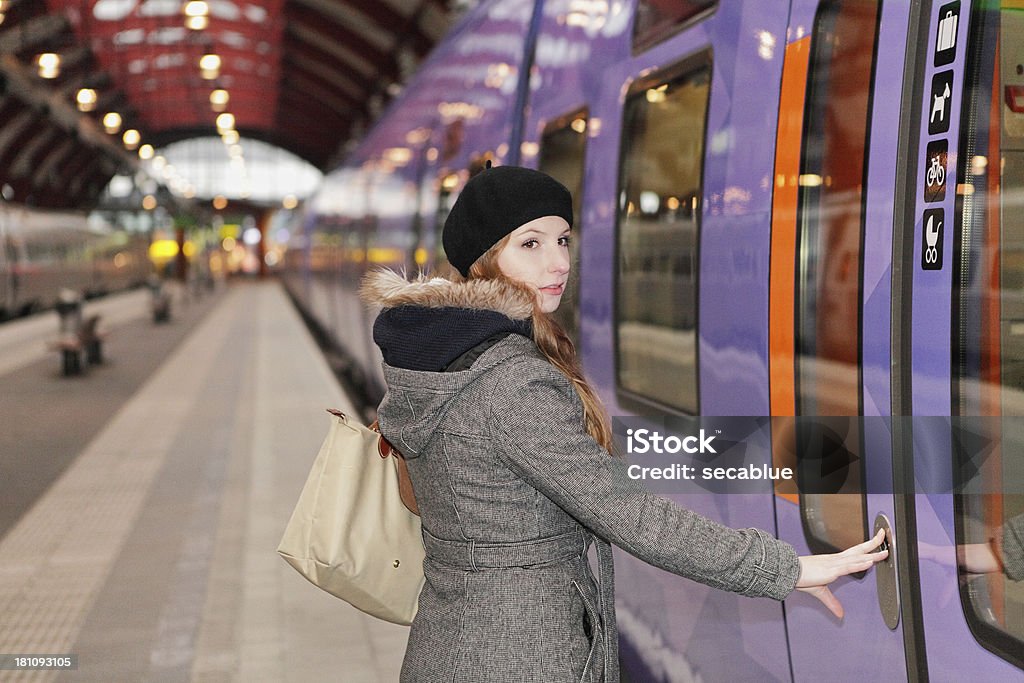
x=474 y=556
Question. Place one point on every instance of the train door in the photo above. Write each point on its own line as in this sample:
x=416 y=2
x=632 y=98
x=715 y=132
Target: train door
x=830 y=327
x=563 y=148
x=675 y=253
x=574 y=46
x=967 y=340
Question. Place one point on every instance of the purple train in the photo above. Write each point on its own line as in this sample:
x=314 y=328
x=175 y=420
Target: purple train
x=786 y=208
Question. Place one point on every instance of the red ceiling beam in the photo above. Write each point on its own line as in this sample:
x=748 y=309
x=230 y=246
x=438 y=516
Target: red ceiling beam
x=353 y=84
x=75 y=165
x=46 y=176
x=300 y=36
x=31 y=32
x=24 y=162
x=322 y=121
x=86 y=186
x=316 y=95
x=79 y=187
x=15 y=132
x=379 y=13
x=330 y=90
x=325 y=25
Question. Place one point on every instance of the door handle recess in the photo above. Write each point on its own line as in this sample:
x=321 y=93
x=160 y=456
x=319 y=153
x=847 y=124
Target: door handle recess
x=885 y=576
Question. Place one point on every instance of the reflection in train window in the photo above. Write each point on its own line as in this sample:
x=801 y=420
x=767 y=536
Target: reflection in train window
x=656 y=20
x=562 y=150
x=829 y=257
x=989 y=322
x=658 y=235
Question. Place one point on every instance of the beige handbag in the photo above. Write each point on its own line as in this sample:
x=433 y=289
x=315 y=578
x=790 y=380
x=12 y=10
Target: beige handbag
x=351 y=533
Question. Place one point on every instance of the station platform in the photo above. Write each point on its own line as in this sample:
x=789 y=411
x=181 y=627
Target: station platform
x=151 y=554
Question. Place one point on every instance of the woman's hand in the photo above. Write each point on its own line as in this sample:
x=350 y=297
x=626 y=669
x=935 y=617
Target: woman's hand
x=817 y=571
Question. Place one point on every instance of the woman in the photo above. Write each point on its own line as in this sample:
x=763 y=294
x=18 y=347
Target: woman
x=508 y=449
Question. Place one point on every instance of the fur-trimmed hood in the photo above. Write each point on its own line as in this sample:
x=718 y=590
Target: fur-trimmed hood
x=388 y=289
x=427 y=324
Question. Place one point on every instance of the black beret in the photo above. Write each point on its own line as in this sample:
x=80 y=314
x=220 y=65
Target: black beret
x=495 y=202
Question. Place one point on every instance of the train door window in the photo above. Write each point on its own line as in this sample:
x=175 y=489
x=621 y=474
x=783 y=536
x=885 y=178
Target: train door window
x=988 y=309
x=656 y=20
x=660 y=186
x=446 y=185
x=40 y=252
x=424 y=198
x=562 y=151
x=449 y=181
x=829 y=265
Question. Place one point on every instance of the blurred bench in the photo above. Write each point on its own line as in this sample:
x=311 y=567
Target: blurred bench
x=87 y=340
x=161 y=306
x=160 y=301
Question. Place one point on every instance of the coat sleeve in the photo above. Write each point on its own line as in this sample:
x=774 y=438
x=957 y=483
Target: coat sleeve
x=1013 y=548
x=538 y=418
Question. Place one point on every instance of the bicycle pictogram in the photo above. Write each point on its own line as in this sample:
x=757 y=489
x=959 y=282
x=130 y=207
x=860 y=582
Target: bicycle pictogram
x=936 y=173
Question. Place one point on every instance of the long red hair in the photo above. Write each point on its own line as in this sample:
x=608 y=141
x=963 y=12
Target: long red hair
x=553 y=343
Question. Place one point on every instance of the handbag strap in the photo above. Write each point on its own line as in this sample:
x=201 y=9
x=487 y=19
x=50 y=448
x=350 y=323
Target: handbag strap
x=385 y=449
x=405 y=490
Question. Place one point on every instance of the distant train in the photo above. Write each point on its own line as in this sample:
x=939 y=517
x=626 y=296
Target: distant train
x=43 y=252
x=785 y=208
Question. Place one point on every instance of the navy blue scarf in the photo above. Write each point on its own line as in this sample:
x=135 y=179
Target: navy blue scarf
x=430 y=339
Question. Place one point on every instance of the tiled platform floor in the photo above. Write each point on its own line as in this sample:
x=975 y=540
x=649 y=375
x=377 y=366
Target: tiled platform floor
x=152 y=556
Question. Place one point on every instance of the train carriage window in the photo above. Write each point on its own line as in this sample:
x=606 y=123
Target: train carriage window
x=446 y=184
x=988 y=311
x=656 y=20
x=829 y=268
x=660 y=186
x=562 y=151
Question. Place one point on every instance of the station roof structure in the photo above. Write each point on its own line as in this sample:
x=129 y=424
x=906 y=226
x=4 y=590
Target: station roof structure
x=304 y=75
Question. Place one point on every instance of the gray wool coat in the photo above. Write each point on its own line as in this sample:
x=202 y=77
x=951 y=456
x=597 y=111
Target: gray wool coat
x=512 y=491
